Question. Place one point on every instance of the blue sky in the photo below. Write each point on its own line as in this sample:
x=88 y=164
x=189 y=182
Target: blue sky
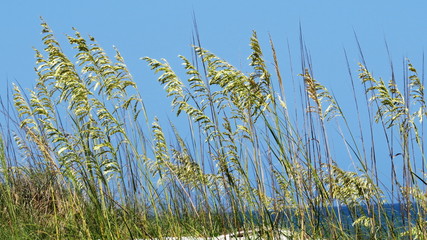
x=163 y=29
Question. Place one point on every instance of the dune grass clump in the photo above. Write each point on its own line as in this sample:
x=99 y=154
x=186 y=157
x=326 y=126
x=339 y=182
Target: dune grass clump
x=90 y=163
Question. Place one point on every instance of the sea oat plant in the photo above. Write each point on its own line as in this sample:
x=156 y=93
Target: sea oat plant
x=90 y=163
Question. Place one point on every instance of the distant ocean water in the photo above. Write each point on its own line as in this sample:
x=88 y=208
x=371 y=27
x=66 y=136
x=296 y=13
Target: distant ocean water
x=392 y=216
x=392 y=212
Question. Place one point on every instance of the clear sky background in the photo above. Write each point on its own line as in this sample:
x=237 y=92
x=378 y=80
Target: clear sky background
x=163 y=29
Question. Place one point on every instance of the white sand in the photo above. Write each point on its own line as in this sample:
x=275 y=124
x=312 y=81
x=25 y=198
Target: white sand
x=233 y=236
x=281 y=235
